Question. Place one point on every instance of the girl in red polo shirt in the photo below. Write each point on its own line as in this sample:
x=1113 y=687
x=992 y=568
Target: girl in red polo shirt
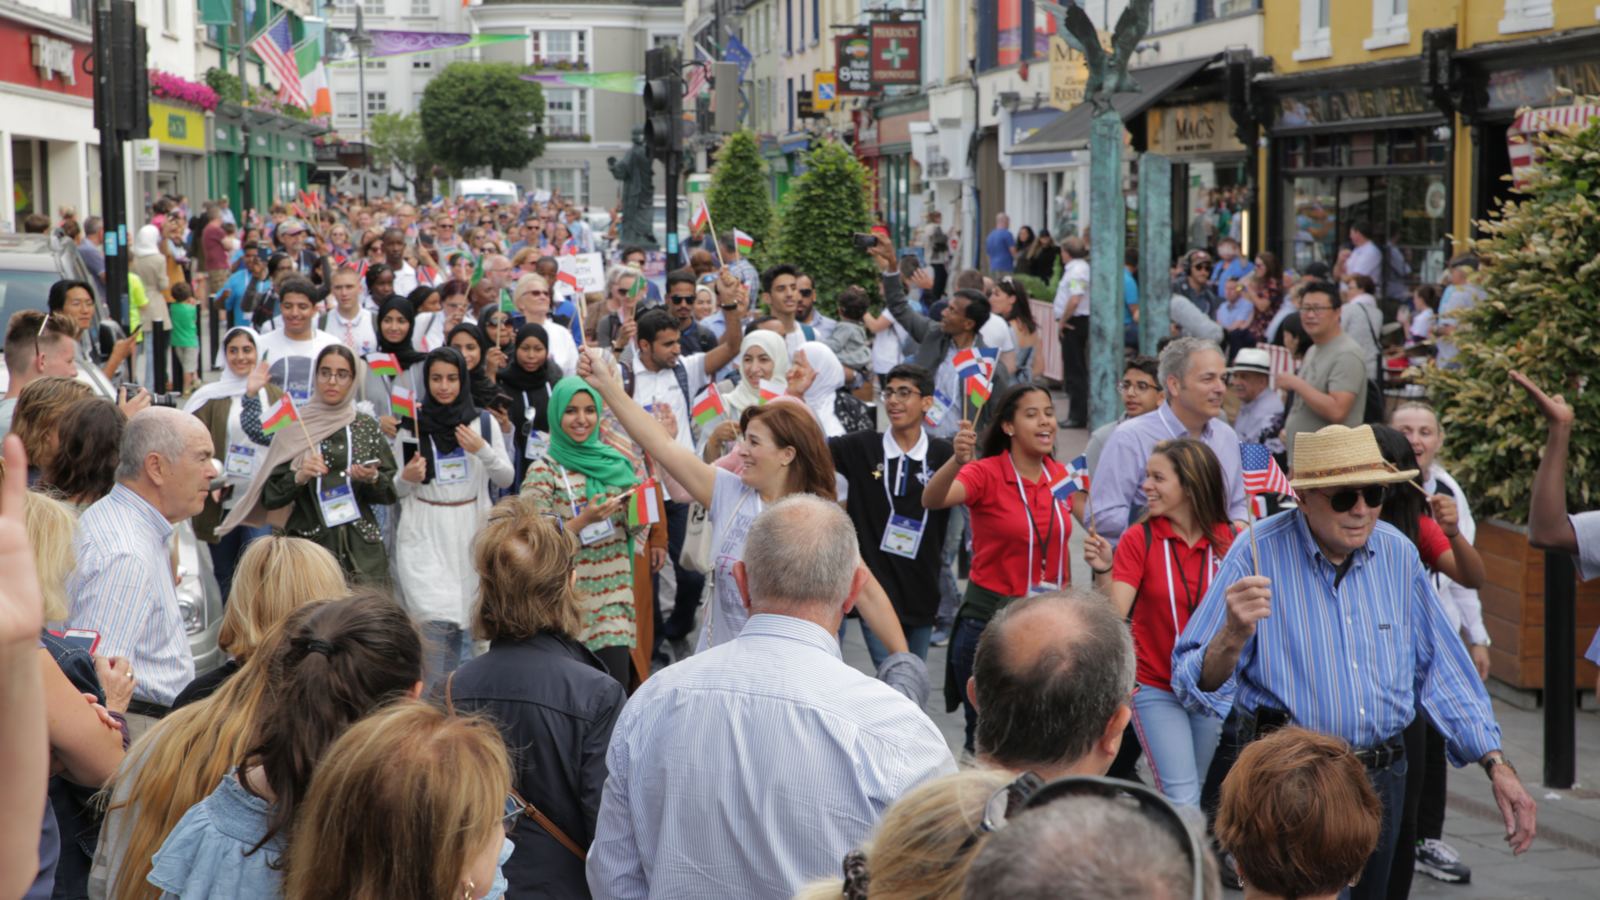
x=1158 y=573
x=1019 y=528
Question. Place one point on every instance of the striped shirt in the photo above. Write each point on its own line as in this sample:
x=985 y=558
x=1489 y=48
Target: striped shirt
x=753 y=767
x=123 y=589
x=1354 y=660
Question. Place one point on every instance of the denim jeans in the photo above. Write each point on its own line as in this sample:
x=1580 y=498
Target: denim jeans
x=1178 y=743
x=680 y=624
x=1390 y=784
x=949 y=592
x=916 y=639
x=225 y=555
x=445 y=646
x=963 y=647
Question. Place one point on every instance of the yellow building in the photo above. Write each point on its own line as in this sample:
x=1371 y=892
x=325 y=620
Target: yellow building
x=1398 y=115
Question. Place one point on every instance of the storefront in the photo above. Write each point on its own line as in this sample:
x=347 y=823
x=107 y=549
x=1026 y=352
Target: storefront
x=1212 y=181
x=48 y=158
x=181 y=134
x=883 y=144
x=281 y=156
x=1046 y=190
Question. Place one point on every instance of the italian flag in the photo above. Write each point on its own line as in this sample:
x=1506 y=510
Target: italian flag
x=644 y=505
x=743 y=241
x=383 y=364
x=771 y=389
x=702 y=218
x=977 y=392
x=403 y=403
x=709 y=407
x=282 y=414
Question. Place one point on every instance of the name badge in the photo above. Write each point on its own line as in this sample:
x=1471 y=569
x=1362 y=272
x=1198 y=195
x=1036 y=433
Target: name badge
x=241 y=460
x=537 y=446
x=597 y=533
x=941 y=406
x=902 y=537
x=338 y=506
x=301 y=394
x=450 y=468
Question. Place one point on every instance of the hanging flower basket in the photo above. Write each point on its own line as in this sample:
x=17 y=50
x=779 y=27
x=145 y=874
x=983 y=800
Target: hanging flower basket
x=177 y=89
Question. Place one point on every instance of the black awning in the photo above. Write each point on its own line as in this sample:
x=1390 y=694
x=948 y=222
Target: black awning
x=1070 y=131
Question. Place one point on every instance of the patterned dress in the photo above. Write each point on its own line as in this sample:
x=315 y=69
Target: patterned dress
x=605 y=569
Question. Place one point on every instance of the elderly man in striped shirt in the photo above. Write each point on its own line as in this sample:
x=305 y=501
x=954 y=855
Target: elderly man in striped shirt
x=1337 y=629
x=123 y=586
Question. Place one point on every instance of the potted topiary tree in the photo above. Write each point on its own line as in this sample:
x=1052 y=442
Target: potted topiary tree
x=1540 y=270
x=823 y=208
x=740 y=195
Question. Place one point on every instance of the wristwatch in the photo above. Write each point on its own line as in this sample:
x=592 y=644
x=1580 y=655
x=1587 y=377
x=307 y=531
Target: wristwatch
x=1498 y=759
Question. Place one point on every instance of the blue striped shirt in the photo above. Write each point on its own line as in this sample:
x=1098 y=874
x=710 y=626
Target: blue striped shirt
x=123 y=588
x=753 y=767
x=1354 y=661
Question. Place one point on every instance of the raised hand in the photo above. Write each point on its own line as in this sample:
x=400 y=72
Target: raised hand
x=1554 y=409
x=1249 y=601
x=965 y=443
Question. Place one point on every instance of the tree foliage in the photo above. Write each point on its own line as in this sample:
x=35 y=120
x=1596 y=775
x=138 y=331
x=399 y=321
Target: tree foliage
x=397 y=142
x=823 y=208
x=1540 y=270
x=738 y=197
x=482 y=115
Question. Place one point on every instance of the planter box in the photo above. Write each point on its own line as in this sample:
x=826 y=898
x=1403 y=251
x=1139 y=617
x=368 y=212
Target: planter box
x=1513 y=608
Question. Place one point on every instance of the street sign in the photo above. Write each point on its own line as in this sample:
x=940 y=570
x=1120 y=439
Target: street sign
x=896 y=53
x=853 y=64
x=146 y=155
x=1069 y=74
x=825 y=88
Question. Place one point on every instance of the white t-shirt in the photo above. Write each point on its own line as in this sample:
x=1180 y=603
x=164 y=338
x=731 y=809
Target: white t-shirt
x=358 y=334
x=996 y=332
x=291 y=363
x=886 y=344
x=734 y=507
x=650 y=388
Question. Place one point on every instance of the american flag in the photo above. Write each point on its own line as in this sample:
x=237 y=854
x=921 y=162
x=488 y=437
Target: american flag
x=697 y=78
x=1282 y=363
x=1261 y=472
x=275 y=46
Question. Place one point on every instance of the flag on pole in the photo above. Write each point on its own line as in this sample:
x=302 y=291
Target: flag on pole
x=403 y=403
x=636 y=290
x=967 y=365
x=698 y=76
x=1261 y=472
x=383 y=364
x=709 y=407
x=977 y=392
x=274 y=45
x=1282 y=364
x=771 y=389
x=644 y=505
x=570 y=279
x=702 y=218
x=282 y=414
x=313 y=76
x=743 y=241
x=1078 y=470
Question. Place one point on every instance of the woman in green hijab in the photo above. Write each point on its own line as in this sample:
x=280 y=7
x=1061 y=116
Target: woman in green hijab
x=581 y=480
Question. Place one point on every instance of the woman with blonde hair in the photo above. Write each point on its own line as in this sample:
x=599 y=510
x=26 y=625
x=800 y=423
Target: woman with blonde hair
x=276 y=575
x=924 y=843
x=411 y=802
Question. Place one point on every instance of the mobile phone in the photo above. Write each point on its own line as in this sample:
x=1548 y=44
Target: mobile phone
x=408 y=449
x=864 y=242
x=135 y=329
x=82 y=639
x=908 y=265
x=368 y=462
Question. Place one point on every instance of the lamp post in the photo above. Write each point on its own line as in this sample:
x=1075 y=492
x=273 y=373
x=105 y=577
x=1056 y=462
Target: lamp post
x=362 y=41
x=244 y=114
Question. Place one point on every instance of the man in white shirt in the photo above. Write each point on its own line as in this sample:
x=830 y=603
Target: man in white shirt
x=795 y=755
x=1366 y=258
x=1260 y=408
x=394 y=256
x=1072 y=317
x=290 y=351
x=348 y=321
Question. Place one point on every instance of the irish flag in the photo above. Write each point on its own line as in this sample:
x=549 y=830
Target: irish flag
x=709 y=407
x=702 y=218
x=644 y=506
x=403 y=403
x=282 y=414
x=383 y=364
x=743 y=241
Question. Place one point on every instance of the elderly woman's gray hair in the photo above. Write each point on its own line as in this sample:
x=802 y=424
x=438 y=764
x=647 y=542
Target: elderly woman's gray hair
x=801 y=551
x=157 y=429
x=1175 y=358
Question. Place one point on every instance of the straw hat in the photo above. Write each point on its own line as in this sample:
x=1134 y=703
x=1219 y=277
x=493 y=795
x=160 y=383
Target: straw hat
x=1338 y=455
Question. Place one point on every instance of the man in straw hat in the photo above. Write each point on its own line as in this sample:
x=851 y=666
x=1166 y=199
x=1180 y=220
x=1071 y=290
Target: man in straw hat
x=1333 y=625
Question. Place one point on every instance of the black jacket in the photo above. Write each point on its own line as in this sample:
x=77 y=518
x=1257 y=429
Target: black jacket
x=555 y=705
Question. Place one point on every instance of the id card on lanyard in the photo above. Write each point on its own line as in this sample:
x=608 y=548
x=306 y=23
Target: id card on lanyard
x=591 y=534
x=448 y=468
x=338 y=504
x=537 y=443
x=1034 y=540
x=902 y=536
x=242 y=460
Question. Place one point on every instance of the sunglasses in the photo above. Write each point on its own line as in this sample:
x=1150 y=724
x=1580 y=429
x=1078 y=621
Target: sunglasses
x=514 y=810
x=806 y=292
x=1345 y=500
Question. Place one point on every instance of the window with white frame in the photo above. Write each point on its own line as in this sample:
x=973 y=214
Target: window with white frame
x=550 y=48
x=347 y=106
x=566 y=112
x=1388 y=25
x=421 y=65
x=572 y=182
x=377 y=102
x=1529 y=15
x=344 y=7
x=422 y=7
x=169 y=16
x=1316 y=38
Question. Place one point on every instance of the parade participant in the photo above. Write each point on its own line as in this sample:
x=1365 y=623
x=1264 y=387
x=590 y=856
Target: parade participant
x=1298 y=816
x=778 y=691
x=84 y=466
x=380 y=286
x=24 y=742
x=763 y=357
x=1140 y=389
x=410 y=803
x=924 y=844
x=694 y=337
x=617 y=328
x=1191 y=372
x=327 y=492
x=444 y=493
x=123 y=586
x=530 y=379
x=275 y=576
x=806 y=312
x=349 y=321
x=246 y=288
x=455 y=307
x=467 y=339
x=583 y=482
x=1156 y=581
x=1331 y=385
x=562 y=713
x=1007 y=493
x=1261 y=413
x=290 y=351
x=38 y=414
x=1252 y=631
x=347 y=658
x=816 y=377
x=406 y=277
x=219 y=405
x=426 y=299
x=783 y=452
x=37 y=346
x=396 y=322
x=900 y=540
x=780 y=290
x=497 y=327
x=533 y=302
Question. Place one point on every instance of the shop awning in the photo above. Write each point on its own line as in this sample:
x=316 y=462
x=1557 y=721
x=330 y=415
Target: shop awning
x=1534 y=121
x=1071 y=130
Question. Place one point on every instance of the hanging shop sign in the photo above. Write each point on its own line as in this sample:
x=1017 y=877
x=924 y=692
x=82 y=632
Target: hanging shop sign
x=896 y=53
x=853 y=65
x=1193 y=129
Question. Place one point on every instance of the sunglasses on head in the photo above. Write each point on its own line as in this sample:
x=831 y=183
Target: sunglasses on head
x=1345 y=500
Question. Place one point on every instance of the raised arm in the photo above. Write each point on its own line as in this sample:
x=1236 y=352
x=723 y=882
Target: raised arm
x=734 y=303
x=943 y=490
x=1549 y=528
x=680 y=461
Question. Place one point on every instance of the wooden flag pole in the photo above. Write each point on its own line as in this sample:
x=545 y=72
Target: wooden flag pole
x=716 y=244
x=1250 y=523
x=310 y=445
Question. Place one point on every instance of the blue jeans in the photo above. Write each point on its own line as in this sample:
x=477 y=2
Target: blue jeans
x=445 y=646
x=1390 y=784
x=1178 y=743
x=954 y=536
x=225 y=555
x=916 y=639
x=963 y=648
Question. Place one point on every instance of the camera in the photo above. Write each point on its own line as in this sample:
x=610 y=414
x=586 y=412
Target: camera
x=864 y=242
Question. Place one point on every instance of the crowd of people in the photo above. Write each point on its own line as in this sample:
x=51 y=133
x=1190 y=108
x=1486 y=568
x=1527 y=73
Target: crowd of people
x=532 y=592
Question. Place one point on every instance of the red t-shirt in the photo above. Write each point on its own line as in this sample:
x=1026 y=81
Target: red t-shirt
x=1431 y=542
x=1159 y=615
x=1000 y=533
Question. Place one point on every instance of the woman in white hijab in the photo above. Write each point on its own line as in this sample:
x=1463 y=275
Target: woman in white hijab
x=816 y=376
x=763 y=357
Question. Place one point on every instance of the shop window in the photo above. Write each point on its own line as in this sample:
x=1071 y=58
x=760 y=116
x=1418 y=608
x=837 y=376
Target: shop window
x=1388 y=25
x=1528 y=15
x=1316 y=38
x=553 y=48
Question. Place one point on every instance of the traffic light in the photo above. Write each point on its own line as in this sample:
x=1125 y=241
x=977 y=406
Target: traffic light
x=663 y=103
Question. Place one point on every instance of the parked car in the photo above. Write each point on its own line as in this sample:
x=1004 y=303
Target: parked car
x=29 y=265
x=487 y=189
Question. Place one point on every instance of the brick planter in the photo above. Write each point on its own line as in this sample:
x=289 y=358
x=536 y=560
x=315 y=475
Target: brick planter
x=1513 y=608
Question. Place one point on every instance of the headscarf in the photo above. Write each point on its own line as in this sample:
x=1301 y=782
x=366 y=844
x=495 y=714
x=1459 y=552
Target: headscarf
x=825 y=387
x=402 y=349
x=437 y=421
x=228 y=384
x=605 y=467
x=147 y=241
x=747 y=394
x=524 y=386
x=320 y=420
x=483 y=390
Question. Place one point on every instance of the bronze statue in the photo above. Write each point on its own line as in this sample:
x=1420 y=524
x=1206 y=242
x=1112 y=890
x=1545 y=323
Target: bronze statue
x=636 y=173
x=1108 y=73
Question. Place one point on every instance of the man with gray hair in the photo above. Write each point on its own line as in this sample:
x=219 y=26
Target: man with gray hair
x=1191 y=372
x=1052 y=681
x=756 y=765
x=123 y=587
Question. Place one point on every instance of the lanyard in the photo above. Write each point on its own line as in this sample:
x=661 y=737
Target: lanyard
x=1033 y=532
x=900 y=485
x=572 y=499
x=1188 y=597
x=349 y=457
x=527 y=405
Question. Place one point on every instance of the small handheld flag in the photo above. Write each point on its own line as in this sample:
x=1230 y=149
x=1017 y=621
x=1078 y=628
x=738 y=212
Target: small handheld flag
x=743 y=241
x=1078 y=469
x=702 y=218
x=282 y=414
x=644 y=504
x=709 y=407
x=570 y=279
x=977 y=392
x=383 y=364
x=1063 y=487
x=967 y=364
x=771 y=389
x=1261 y=472
x=403 y=403
x=637 y=289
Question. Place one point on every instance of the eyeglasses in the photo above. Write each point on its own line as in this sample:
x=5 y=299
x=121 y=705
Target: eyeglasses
x=1029 y=791
x=1319 y=310
x=337 y=376
x=682 y=298
x=1129 y=387
x=901 y=393
x=1345 y=500
x=514 y=810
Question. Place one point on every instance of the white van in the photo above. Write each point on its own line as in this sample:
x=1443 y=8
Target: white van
x=486 y=189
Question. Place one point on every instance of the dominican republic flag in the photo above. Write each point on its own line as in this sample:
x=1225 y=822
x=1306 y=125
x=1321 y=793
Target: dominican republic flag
x=968 y=364
x=275 y=46
x=383 y=364
x=282 y=414
x=644 y=506
x=709 y=407
x=1261 y=472
x=702 y=218
x=1078 y=469
x=403 y=403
